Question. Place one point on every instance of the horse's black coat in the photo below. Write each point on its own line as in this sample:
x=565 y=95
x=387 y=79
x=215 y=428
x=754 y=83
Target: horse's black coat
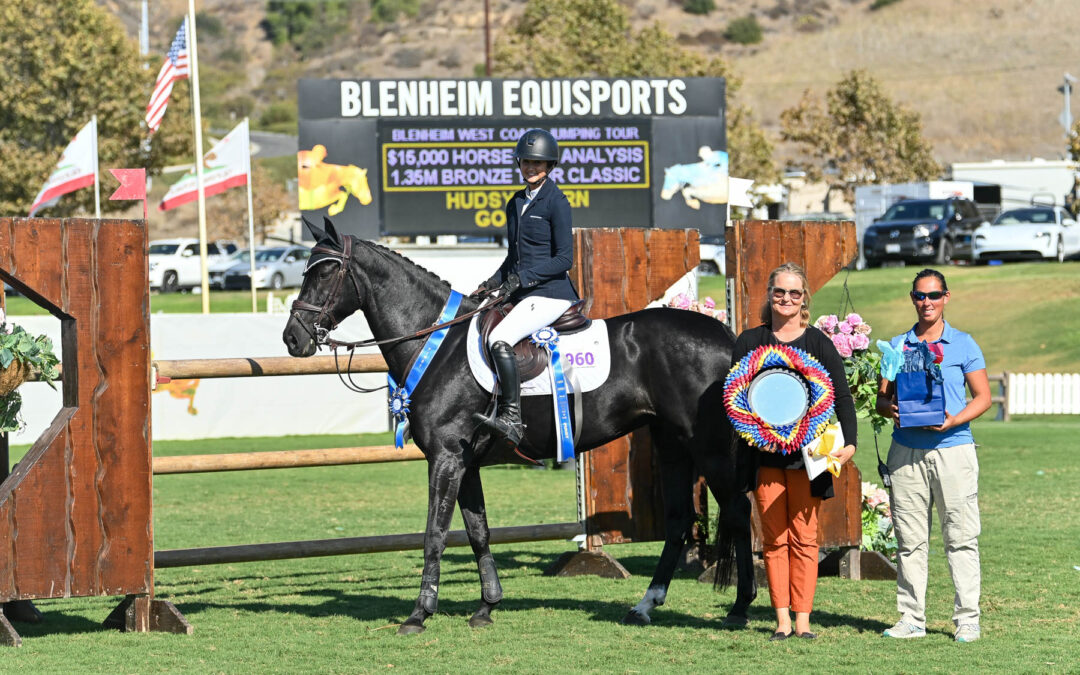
x=667 y=373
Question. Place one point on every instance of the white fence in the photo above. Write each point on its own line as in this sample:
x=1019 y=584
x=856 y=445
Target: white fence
x=1043 y=394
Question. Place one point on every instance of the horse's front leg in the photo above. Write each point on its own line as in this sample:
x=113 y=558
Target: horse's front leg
x=445 y=472
x=688 y=197
x=677 y=485
x=471 y=501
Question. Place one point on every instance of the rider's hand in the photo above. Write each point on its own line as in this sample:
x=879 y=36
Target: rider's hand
x=484 y=287
x=512 y=283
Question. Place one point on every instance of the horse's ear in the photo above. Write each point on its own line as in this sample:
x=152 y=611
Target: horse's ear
x=314 y=230
x=331 y=233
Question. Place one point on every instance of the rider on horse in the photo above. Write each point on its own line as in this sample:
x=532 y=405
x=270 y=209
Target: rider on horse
x=533 y=275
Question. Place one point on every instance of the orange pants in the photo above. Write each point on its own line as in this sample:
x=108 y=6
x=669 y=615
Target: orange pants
x=789 y=534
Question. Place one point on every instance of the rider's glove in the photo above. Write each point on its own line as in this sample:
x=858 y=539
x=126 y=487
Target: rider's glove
x=512 y=283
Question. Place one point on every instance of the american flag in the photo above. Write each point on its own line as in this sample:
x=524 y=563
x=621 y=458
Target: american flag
x=175 y=68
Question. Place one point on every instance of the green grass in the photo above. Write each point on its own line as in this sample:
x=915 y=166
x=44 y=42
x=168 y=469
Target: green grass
x=332 y=615
x=1023 y=316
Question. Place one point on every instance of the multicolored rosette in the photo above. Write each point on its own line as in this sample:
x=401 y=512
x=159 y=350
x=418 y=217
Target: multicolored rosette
x=753 y=428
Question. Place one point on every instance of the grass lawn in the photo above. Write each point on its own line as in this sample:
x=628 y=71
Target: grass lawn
x=1024 y=316
x=339 y=615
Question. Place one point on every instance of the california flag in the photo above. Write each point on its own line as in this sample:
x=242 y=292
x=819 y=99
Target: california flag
x=225 y=166
x=77 y=169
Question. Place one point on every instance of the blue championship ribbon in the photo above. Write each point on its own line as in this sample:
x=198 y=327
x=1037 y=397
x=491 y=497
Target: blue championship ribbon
x=548 y=338
x=399 y=397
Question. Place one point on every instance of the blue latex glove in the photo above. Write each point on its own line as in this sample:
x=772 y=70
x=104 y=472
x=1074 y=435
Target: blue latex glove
x=891 y=360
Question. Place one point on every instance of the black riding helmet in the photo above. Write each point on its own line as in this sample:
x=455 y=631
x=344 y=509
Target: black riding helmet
x=537 y=144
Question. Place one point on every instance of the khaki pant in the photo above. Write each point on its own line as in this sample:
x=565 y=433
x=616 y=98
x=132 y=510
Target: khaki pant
x=948 y=477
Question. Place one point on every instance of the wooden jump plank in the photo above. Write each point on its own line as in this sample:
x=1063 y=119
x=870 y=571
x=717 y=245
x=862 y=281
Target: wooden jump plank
x=188 y=369
x=284 y=459
x=285 y=550
x=83 y=463
x=121 y=323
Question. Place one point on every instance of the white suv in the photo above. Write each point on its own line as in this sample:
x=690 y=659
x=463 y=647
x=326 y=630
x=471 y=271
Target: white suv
x=174 y=263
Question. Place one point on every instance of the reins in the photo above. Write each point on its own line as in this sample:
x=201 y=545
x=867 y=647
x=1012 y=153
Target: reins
x=321 y=336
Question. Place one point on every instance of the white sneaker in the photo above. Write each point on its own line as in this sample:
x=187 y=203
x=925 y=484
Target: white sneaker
x=967 y=632
x=904 y=630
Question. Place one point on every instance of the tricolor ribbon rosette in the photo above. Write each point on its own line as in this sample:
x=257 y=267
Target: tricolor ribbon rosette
x=751 y=426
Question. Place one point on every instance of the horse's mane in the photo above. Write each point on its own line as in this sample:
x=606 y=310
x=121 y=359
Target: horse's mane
x=389 y=253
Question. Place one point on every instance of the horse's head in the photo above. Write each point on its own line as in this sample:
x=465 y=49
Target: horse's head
x=328 y=295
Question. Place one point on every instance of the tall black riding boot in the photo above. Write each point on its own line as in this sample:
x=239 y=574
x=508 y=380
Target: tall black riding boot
x=507 y=422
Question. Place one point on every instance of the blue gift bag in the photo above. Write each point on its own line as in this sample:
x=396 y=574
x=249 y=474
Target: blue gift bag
x=920 y=399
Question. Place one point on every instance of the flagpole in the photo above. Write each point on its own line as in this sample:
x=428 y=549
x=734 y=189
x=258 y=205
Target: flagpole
x=194 y=56
x=97 y=182
x=251 y=216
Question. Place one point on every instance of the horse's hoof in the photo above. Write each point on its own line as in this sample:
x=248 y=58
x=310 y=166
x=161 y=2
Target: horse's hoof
x=735 y=622
x=480 y=621
x=632 y=618
x=410 y=629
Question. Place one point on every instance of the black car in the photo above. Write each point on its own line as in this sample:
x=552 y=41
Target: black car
x=922 y=230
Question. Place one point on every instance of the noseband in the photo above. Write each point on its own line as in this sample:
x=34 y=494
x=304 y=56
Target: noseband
x=343 y=259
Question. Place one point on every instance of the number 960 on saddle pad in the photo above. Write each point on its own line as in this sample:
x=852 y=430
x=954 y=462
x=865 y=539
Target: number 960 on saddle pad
x=585 y=357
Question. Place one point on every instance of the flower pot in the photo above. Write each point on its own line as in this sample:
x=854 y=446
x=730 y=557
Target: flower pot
x=12 y=376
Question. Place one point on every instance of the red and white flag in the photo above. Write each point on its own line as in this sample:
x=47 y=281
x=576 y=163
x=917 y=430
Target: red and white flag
x=226 y=166
x=77 y=169
x=175 y=68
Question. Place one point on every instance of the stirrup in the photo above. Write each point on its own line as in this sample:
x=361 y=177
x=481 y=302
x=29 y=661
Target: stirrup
x=510 y=432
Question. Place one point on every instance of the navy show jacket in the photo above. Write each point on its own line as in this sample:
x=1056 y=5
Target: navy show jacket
x=540 y=243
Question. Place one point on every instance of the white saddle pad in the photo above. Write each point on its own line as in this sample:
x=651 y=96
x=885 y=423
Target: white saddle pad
x=586 y=359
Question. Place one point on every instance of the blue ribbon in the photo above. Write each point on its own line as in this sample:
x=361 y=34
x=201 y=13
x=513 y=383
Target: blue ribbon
x=548 y=338
x=399 y=397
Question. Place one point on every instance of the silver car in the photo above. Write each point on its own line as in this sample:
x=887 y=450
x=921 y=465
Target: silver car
x=275 y=267
x=217 y=270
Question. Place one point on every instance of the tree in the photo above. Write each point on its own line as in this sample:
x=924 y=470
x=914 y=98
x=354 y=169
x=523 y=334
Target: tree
x=576 y=38
x=860 y=136
x=60 y=63
x=269 y=201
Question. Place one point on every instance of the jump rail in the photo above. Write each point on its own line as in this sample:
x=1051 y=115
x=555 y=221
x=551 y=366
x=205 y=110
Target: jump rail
x=195 y=369
x=284 y=459
x=220 y=555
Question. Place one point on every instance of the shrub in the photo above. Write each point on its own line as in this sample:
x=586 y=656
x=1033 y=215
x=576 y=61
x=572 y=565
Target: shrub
x=878 y=4
x=698 y=6
x=386 y=11
x=278 y=114
x=745 y=31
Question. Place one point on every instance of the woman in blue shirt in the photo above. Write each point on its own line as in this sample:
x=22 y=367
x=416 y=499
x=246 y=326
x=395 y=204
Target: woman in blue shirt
x=937 y=465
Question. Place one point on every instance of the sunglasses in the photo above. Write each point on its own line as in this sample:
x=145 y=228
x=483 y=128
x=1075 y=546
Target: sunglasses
x=932 y=295
x=779 y=293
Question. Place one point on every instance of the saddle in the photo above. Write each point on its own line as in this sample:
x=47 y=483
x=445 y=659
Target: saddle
x=531 y=359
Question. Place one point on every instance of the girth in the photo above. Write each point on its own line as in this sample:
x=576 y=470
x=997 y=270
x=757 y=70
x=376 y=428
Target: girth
x=531 y=359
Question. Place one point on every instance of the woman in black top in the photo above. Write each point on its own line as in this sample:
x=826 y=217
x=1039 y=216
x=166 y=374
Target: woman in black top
x=787 y=499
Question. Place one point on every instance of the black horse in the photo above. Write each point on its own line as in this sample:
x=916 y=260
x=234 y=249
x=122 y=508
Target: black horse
x=667 y=372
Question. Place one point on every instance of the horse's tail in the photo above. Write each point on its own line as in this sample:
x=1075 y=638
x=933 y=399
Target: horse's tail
x=725 y=547
x=733 y=518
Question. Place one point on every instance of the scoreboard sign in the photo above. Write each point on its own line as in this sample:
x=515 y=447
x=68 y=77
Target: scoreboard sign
x=407 y=157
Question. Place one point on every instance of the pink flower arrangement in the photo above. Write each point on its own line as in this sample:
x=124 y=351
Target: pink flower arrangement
x=850 y=336
x=705 y=306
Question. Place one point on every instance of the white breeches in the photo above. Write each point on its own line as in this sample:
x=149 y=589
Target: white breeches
x=527 y=317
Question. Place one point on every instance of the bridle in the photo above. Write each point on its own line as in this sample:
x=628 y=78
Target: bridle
x=321 y=335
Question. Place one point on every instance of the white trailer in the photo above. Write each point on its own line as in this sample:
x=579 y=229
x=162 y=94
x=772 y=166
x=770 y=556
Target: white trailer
x=1022 y=183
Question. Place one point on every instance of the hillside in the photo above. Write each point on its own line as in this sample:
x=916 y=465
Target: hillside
x=982 y=74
